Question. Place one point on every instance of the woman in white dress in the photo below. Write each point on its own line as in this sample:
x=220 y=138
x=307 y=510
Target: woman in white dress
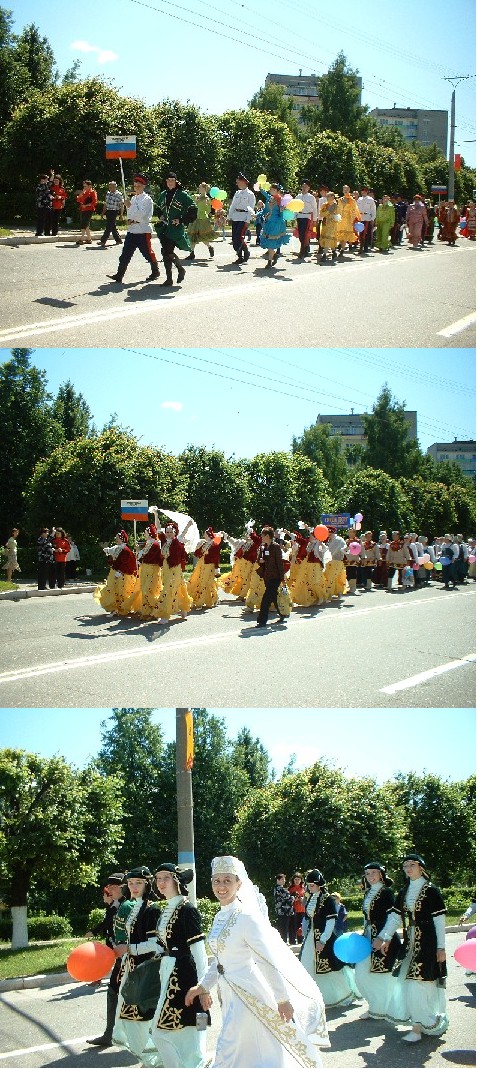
x=181 y=941
x=334 y=979
x=272 y=1014
x=374 y=974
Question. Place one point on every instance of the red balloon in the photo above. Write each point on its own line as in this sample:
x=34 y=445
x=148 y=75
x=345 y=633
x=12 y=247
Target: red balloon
x=217 y=540
x=217 y=204
x=321 y=532
x=90 y=961
x=465 y=955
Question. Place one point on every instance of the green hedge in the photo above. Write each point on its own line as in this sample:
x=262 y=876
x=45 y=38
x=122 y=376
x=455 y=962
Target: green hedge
x=42 y=927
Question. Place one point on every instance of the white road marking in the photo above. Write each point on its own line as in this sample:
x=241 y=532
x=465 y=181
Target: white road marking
x=55 y=667
x=125 y=311
x=458 y=326
x=422 y=677
x=46 y=1046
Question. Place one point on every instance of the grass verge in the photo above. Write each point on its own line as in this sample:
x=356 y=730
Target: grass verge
x=37 y=958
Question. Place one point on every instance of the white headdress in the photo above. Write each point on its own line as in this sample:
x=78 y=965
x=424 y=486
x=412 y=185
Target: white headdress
x=249 y=895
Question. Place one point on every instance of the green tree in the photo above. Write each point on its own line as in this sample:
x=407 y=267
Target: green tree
x=28 y=431
x=80 y=485
x=432 y=506
x=261 y=142
x=382 y=168
x=190 y=141
x=56 y=823
x=72 y=412
x=216 y=488
x=250 y=755
x=324 y=449
x=339 y=109
x=285 y=488
x=440 y=823
x=35 y=56
x=13 y=78
x=332 y=159
x=389 y=446
x=273 y=99
x=380 y=498
x=463 y=500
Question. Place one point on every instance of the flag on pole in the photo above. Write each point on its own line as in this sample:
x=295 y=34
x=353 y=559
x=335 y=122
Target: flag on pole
x=189 y=718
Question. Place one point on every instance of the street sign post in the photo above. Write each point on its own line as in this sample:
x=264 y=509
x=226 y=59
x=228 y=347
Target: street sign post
x=336 y=519
x=134 y=510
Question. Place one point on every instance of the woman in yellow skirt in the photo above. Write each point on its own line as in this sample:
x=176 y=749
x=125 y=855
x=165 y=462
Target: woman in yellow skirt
x=246 y=550
x=309 y=587
x=114 y=594
x=203 y=586
x=144 y=598
x=173 y=597
x=335 y=571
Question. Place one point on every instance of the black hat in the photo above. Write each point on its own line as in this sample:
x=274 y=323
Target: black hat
x=172 y=174
x=315 y=876
x=306 y=181
x=242 y=177
x=381 y=868
x=183 y=876
x=410 y=856
x=117 y=878
x=141 y=872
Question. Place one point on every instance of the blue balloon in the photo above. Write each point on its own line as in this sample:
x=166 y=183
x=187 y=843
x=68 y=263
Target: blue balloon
x=352 y=947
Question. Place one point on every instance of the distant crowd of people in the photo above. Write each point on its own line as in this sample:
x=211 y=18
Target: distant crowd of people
x=57 y=557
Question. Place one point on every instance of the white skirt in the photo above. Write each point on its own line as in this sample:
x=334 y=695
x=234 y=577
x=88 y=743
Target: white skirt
x=338 y=988
x=419 y=1002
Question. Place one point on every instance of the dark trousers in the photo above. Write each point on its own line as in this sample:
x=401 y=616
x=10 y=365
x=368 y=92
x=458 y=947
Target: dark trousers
x=43 y=221
x=239 y=230
x=52 y=575
x=269 y=598
x=294 y=926
x=43 y=570
x=366 y=235
x=304 y=231
x=55 y=220
x=71 y=569
x=449 y=574
x=111 y=228
x=131 y=243
x=282 y=927
x=60 y=569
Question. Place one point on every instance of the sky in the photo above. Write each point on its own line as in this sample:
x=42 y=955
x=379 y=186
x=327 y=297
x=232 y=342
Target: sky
x=218 y=55
x=250 y=401
x=441 y=741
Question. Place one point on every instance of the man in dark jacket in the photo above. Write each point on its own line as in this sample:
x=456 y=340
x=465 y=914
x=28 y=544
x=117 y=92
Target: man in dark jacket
x=270 y=568
x=114 y=889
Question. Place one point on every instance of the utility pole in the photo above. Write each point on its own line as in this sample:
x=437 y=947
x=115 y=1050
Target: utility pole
x=185 y=804
x=455 y=81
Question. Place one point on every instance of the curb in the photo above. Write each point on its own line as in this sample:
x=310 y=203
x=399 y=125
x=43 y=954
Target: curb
x=20 y=595
x=45 y=239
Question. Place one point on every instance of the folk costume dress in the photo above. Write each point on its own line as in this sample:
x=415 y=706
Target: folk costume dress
x=297 y=556
x=173 y=1029
x=419 y=994
x=309 y=587
x=149 y=583
x=335 y=571
x=173 y=597
x=334 y=979
x=135 y=924
x=274 y=230
x=254 y=970
x=176 y=209
x=329 y=226
x=374 y=975
x=237 y=581
x=203 y=586
x=11 y=558
x=114 y=594
x=350 y=214
x=201 y=230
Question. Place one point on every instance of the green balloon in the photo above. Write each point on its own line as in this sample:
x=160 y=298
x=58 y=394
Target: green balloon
x=214 y=191
x=222 y=194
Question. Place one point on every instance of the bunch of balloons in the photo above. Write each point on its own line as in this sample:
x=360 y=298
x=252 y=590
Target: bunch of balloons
x=218 y=196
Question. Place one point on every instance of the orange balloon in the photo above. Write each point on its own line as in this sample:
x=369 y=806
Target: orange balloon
x=217 y=540
x=90 y=961
x=217 y=204
x=321 y=532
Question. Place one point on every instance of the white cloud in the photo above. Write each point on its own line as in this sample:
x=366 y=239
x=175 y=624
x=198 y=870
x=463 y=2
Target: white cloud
x=104 y=55
x=176 y=405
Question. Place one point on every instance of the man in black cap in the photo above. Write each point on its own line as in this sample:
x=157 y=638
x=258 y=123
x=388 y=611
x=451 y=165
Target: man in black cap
x=139 y=214
x=175 y=209
x=114 y=887
x=241 y=209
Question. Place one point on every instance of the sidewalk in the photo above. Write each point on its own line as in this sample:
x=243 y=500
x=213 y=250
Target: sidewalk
x=25 y=236
x=16 y=983
x=29 y=590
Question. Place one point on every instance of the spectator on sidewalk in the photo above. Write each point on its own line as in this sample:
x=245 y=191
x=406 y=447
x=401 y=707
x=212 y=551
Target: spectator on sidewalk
x=43 y=201
x=61 y=547
x=112 y=208
x=72 y=558
x=283 y=906
x=46 y=557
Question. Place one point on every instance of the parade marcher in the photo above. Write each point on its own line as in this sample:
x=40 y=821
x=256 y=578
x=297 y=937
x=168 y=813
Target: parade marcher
x=400 y=209
x=274 y=230
x=350 y=214
x=114 y=888
x=352 y=559
x=176 y=210
x=416 y=219
x=259 y=210
x=373 y=974
x=173 y=597
x=114 y=594
x=87 y=199
x=419 y=995
x=180 y=938
x=367 y=209
x=298 y=554
x=46 y=557
x=11 y=564
x=328 y=240
x=428 y=235
x=201 y=230
x=385 y=217
x=306 y=218
x=139 y=209
x=470 y=220
x=58 y=198
x=448 y=558
x=398 y=557
x=335 y=571
x=148 y=587
x=135 y=936
x=309 y=587
x=380 y=574
x=270 y=569
x=43 y=201
x=113 y=208
x=203 y=586
x=332 y=976
x=449 y=219
x=370 y=556
x=245 y=550
x=241 y=210
x=272 y=1015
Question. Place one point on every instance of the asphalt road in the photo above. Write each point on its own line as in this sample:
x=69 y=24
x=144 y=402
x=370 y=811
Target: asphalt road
x=67 y=652
x=58 y=295
x=49 y=1028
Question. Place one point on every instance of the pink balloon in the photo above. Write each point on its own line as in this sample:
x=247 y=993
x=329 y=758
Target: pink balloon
x=426 y=558
x=471 y=933
x=359 y=516
x=256 y=187
x=465 y=955
x=472 y=558
x=287 y=197
x=355 y=549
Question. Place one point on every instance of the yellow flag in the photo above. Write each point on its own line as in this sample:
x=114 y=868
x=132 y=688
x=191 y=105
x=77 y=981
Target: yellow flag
x=189 y=718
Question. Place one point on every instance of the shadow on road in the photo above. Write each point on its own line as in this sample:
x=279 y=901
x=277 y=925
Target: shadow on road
x=459 y=1057
x=54 y=302
x=153 y=291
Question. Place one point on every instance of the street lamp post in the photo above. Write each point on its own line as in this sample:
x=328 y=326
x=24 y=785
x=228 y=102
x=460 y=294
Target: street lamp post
x=455 y=81
x=185 y=804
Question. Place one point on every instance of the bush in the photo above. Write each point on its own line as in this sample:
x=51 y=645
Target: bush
x=207 y=910
x=94 y=919
x=42 y=927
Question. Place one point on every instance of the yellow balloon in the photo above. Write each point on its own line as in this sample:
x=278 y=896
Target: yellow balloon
x=261 y=179
x=296 y=205
x=265 y=186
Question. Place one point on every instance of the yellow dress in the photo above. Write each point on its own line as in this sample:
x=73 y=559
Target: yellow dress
x=329 y=226
x=173 y=597
x=255 y=591
x=144 y=597
x=309 y=587
x=115 y=593
x=237 y=581
x=335 y=579
x=349 y=211
x=203 y=587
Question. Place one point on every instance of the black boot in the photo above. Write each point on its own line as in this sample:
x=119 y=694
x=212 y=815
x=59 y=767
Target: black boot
x=191 y=255
x=116 y=278
x=154 y=273
x=180 y=270
x=106 y=1040
x=211 y=251
x=168 y=267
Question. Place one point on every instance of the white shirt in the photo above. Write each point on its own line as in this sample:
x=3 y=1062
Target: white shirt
x=242 y=206
x=367 y=207
x=310 y=207
x=139 y=214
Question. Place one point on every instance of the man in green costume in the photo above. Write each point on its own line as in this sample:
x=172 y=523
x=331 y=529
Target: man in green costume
x=176 y=209
x=385 y=218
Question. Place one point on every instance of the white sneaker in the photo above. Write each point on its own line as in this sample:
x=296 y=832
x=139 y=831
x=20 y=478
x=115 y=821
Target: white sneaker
x=412 y=1037
x=162 y=622
x=183 y=615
